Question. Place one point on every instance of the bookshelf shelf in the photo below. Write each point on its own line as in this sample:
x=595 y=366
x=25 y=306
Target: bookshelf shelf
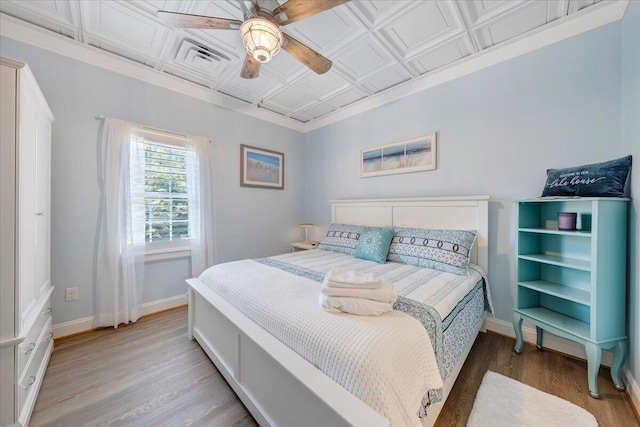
x=573 y=283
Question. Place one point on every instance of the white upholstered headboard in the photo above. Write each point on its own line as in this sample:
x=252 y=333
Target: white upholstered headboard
x=446 y=213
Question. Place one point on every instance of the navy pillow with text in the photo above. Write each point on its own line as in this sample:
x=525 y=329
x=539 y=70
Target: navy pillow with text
x=605 y=179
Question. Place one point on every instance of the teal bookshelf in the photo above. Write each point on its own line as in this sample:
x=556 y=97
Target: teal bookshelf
x=573 y=283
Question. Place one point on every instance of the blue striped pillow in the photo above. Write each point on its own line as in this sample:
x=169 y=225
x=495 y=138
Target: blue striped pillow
x=341 y=238
x=444 y=250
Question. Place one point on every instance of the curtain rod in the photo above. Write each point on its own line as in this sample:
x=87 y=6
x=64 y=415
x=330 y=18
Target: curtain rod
x=153 y=130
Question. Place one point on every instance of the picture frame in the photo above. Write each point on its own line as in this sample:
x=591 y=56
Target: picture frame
x=415 y=154
x=261 y=168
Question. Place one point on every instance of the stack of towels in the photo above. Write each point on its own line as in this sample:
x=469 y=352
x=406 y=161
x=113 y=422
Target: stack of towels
x=356 y=292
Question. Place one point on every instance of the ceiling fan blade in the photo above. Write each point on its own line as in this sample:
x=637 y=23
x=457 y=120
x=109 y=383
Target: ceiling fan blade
x=250 y=68
x=306 y=55
x=255 y=5
x=250 y=8
x=295 y=10
x=185 y=20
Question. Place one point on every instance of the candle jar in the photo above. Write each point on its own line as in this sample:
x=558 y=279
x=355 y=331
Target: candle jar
x=567 y=221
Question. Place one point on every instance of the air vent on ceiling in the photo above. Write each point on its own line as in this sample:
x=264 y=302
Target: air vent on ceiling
x=200 y=58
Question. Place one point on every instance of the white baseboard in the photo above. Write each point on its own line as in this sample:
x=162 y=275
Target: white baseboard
x=163 y=304
x=633 y=388
x=567 y=347
x=86 y=324
x=73 y=327
x=548 y=340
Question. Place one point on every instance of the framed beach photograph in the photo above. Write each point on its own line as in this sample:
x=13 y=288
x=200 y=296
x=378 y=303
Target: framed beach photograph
x=261 y=168
x=407 y=155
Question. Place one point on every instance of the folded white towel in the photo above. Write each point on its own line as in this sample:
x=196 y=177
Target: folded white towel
x=380 y=284
x=387 y=294
x=359 y=306
x=343 y=278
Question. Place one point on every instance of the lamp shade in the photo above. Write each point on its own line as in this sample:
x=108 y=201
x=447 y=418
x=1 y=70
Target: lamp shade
x=262 y=38
x=306 y=225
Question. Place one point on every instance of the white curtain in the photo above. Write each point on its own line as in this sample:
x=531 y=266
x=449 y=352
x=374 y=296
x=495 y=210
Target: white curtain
x=120 y=263
x=201 y=221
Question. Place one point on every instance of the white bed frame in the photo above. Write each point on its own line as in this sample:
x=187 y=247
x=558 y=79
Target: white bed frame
x=278 y=386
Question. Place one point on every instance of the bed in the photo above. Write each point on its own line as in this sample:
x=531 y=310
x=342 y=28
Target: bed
x=278 y=385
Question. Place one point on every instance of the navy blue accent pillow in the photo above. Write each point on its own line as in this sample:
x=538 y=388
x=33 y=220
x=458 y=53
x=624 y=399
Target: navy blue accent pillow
x=605 y=179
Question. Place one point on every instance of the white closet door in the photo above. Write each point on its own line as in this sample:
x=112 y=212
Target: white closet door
x=7 y=239
x=27 y=201
x=25 y=289
x=7 y=208
x=43 y=202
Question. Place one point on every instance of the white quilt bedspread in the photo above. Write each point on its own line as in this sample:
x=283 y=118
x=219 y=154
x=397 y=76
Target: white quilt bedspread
x=440 y=290
x=386 y=361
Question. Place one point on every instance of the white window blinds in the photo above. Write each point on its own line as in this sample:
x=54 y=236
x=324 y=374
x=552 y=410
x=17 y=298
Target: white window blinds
x=166 y=201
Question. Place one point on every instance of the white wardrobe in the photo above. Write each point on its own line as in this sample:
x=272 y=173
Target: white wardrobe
x=25 y=285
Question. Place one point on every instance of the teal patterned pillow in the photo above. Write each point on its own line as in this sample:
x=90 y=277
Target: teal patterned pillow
x=341 y=238
x=444 y=250
x=374 y=244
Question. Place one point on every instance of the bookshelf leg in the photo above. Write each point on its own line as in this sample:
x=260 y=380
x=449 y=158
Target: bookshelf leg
x=594 y=357
x=539 y=338
x=619 y=356
x=517 y=326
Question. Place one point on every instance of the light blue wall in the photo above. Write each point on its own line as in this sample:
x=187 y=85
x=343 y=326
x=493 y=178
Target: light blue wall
x=631 y=145
x=499 y=129
x=250 y=222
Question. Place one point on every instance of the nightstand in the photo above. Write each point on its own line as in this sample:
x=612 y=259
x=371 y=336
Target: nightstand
x=297 y=247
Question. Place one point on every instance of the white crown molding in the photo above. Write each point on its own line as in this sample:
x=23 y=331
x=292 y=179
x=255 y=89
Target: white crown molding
x=600 y=14
x=25 y=32
x=595 y=16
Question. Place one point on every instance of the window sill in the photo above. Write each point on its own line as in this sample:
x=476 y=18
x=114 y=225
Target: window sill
x=164 y=254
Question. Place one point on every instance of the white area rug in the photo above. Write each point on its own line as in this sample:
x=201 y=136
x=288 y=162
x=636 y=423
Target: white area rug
x=502 y=401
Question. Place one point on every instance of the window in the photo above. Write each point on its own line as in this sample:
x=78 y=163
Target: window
x=166 y=203
x=155 y=205
x=161 y=175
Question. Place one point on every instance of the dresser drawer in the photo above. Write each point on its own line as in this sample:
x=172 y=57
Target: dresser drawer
x=30 y=380
x=27 y=347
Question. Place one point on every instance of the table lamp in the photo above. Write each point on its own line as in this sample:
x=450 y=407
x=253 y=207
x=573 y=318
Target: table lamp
x=306 y=227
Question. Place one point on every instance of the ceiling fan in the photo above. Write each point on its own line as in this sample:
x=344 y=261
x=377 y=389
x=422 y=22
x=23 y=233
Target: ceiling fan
x=260 y=31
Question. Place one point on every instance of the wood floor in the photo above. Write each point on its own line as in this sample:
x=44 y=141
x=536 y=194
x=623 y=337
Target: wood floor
x=545 y=370
x=150 y=374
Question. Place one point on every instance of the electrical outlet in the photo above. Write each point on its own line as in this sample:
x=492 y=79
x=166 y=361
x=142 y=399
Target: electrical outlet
x=71 y=294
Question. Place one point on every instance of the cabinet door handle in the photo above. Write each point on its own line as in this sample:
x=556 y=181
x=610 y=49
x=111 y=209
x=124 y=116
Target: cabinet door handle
x=32 y=380
x=39 y=213
x=30 y=348
x=50 y=335
x=47 y=311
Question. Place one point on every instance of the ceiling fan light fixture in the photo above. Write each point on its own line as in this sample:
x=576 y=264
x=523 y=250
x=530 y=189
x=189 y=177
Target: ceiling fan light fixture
x=262 y=38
